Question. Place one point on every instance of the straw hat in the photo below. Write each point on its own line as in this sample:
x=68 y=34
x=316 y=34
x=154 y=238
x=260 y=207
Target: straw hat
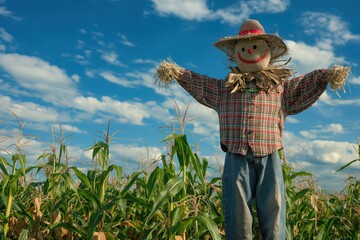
x=252 y=29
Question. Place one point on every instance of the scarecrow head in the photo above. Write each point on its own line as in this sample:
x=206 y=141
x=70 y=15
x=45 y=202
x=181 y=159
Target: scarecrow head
x=252 y=49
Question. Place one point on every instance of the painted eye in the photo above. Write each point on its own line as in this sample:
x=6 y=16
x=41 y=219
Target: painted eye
x=243 y=49
x=254 y=47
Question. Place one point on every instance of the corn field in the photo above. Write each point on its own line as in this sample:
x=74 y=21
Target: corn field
x=175 y=200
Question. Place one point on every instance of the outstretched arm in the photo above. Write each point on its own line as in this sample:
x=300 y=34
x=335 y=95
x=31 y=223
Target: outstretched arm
x=205 y=90
x=302 y=92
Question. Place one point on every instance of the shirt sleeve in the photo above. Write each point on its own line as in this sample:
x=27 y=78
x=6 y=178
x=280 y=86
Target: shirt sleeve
x=205 y=90
x=302 y=92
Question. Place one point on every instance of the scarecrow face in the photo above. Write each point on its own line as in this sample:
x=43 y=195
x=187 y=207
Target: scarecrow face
x=252 y=55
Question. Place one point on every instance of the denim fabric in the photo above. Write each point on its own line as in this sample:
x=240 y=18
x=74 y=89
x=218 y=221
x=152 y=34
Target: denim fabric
x=247 y=179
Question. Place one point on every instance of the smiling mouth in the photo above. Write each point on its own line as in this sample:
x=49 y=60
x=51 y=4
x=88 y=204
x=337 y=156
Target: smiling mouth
x=253 y=61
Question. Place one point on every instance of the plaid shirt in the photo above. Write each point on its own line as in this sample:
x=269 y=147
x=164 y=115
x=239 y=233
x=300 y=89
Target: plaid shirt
x=254 y=119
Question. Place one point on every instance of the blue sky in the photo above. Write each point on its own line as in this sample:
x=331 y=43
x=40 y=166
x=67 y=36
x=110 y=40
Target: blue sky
x=80 y=63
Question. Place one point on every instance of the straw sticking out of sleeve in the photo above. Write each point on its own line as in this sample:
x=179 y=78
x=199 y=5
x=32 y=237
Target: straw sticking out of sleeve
x=166 y=72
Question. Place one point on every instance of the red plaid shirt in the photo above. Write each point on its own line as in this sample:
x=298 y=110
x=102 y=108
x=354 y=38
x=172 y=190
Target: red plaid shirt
x=254 y=119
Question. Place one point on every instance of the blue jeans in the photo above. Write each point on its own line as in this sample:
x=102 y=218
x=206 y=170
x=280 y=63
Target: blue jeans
x=248 y=178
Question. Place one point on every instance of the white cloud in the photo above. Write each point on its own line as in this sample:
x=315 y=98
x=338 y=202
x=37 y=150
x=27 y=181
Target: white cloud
x=318 y=152
x=321 y=131
x=83 y=31
x=326 y=99
x=68 y=128
x=354 y=80
x=233 y=14
x=306 y=58
x=135 y=153
x=145 y=61
x=42 y=79
x=290 y=119
x=112 y=58
x=146 y=78
x=75 y=77
x=328 y=29
x=5 y=36
x=31 y=111
x=90 y=73
x=111 y=77
x=125 y=41
x=125 y=112
x=186 y=9
x=6 y=13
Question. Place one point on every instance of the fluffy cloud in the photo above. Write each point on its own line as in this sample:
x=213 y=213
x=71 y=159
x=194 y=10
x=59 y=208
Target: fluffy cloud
x=125 y=112
x=135 y=153
x=306 y=58
x=327 y=28
x=234 y=14
x=186 y=9
x=111 y=77
x=39 y=77
x=31 y=111
x=355 y=80
x=5 y=36
x=111 y=57
x=320 y=131
x=326 y=99
x=7 y=13
x=125 y=41
x=68 y=128
x=318 y=152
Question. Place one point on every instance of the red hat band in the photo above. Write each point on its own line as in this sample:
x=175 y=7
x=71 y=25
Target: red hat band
x=250 y=31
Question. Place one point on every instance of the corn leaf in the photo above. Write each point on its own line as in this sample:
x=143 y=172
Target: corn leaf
x=210 y=225
x=172 y=187
x=82 y=176
x=129 y=184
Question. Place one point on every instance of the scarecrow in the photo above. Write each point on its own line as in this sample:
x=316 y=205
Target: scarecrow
x=252 y=104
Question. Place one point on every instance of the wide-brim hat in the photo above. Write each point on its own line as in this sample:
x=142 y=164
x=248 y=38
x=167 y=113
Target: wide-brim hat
x=252 y=29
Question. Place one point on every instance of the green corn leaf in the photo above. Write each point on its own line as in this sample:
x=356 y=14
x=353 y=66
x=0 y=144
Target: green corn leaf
x=153 y=179
x=91 y=197
x=111 y=204
x=179 y=148
x=70 y=181
x=185 y=225
x=22 y=159
x=97 y=147
x=44 y=155
x=69 y=227
x=171 y=137
x=129 y=184
x=197 y=166
x=13 y=182
x=300 y=194
x=205 y=165
x=110 y=236
x=176 y=215
x=299 y=174
x=94 y=221
x=210 y=225
x=346 y=165
x=172 y=187
x=82 y=176
x=138 y=200
x=118 y=171
x=58 y=205
x=3 y=164
x=61 y=151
